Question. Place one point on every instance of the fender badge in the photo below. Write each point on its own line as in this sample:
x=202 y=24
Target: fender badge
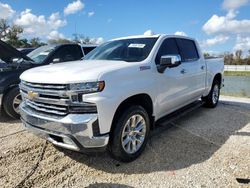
x=142 y=68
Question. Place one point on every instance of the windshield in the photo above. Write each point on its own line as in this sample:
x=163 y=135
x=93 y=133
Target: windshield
x=40 y=54
x=130 y=50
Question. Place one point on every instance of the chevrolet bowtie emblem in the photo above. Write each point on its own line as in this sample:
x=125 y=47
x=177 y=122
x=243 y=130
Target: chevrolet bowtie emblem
x=32 y=94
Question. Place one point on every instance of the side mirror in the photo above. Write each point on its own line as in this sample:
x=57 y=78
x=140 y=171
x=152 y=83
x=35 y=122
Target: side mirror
x=169 y=61
x=56 y=60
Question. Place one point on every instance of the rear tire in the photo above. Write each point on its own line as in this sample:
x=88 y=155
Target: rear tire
x=130 y=134
x=11 y=102
x=212 y=99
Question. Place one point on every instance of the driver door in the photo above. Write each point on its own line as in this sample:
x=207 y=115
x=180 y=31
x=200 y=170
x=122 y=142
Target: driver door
x=173 y=83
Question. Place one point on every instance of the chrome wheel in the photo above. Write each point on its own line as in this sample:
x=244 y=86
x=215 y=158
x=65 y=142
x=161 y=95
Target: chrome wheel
x=133 y=134
x=16 y=102
x=215 y=94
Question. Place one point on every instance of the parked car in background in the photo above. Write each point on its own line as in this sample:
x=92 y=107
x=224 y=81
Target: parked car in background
x=14 y=62
x=88 y=48
x=26 y=51
x=113 y=98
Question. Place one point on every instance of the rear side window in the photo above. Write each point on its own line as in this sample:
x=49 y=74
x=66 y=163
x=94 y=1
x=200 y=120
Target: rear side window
x=168 y=47
x=188 y=50
x=87 y=49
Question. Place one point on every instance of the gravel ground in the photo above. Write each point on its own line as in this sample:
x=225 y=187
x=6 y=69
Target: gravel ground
x=203 y=148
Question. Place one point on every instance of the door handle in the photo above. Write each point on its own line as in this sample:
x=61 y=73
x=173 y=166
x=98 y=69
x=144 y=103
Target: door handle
x=183 y=71
x=202 y=67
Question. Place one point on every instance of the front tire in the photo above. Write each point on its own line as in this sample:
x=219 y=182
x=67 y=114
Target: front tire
x=130 y=134
x=212 y=99
x=11 y=102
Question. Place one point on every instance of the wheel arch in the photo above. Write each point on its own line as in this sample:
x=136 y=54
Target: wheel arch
x=218 y=77
x=142 y=99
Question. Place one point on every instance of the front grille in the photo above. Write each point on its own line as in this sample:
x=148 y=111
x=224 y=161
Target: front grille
x=49 y=98
x=53 y=99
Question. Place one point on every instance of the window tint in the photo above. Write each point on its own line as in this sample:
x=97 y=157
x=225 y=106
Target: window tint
x=87 y=49
x=168 y=47
x=187 y=49
x=68 y=53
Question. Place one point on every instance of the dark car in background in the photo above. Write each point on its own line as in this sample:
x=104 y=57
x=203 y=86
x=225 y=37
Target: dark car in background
x=13 y=63
x=26 y=51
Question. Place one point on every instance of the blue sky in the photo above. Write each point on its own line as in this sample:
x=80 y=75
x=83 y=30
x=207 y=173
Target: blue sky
x=103 y=20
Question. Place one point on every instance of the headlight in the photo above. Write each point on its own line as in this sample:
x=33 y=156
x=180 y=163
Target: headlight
x=88 y=87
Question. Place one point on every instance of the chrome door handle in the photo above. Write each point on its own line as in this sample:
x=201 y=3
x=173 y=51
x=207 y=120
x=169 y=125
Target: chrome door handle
x=183 y=71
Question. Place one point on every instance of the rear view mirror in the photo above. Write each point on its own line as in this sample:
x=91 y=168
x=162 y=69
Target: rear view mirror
x=169 y=61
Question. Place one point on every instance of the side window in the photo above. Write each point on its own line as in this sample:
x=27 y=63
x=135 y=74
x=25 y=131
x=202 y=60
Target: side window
x=68 y=53
x=188 y=50
x=168 y=47
x=87 y=49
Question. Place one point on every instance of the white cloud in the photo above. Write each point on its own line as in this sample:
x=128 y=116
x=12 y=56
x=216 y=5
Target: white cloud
x=55 y=35
x=148 y=33
x=91 y=14
x=39 y=26
x=180 y=33
x=98 y=41
x=242 y=43
x=233 y=4
x=73 y=7
x=6 y=11
x=226 y=24
x=220 y=39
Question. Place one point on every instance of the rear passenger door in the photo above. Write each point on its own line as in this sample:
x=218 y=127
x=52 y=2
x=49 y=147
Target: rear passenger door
x=193 y=67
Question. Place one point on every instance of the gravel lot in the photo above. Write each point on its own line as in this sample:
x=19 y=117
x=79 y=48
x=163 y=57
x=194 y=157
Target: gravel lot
x=202 y=148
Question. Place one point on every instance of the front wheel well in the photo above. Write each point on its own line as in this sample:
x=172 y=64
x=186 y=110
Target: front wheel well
x=143 y=100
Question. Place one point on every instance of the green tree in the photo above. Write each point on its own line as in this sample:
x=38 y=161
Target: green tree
x=206 y=55
x=3 y=28
x=59 y=41
x=11 y=33
x=238 y=56
x=12 y=36
x=228 y=58
x=35 y=42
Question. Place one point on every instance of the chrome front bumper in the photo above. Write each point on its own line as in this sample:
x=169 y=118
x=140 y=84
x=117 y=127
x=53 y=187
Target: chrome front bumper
x=73 y=131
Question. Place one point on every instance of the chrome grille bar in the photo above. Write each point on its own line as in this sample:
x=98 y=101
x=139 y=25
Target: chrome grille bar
x=45 y=86
x=44 y=108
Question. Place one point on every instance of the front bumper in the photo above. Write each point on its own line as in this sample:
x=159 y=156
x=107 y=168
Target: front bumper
x=73 y=131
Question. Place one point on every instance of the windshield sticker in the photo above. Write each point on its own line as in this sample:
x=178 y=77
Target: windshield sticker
x=44 y=53
x=136 y=45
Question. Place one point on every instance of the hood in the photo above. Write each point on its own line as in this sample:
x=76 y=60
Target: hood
x=7 y=53
x=71 y=72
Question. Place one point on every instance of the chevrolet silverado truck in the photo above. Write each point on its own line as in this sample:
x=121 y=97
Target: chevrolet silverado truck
x=112 y=98
x=13 y=63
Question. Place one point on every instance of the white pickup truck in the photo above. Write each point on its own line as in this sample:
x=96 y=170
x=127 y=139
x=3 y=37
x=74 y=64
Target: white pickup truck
x=113 y=97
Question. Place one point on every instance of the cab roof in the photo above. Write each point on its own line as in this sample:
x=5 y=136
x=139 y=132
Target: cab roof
x=152 y=36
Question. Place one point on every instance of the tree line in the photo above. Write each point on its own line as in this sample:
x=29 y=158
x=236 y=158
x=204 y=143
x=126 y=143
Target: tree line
x=11 y=34
x=235 y=58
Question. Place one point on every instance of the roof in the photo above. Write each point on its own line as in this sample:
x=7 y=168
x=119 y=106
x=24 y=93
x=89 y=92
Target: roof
x=152 y=36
